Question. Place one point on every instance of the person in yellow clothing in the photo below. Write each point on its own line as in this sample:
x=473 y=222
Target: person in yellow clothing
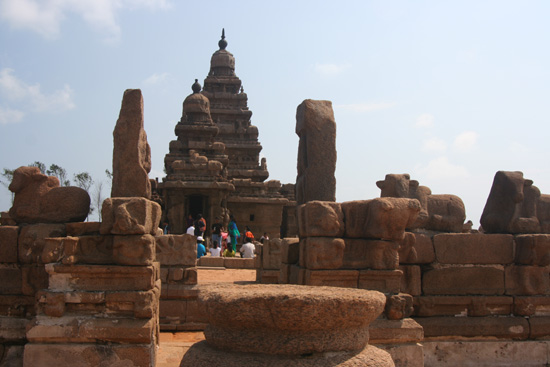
x=229 y=251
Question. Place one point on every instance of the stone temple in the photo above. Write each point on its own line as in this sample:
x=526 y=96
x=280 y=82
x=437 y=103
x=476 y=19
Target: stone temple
x=214 y=166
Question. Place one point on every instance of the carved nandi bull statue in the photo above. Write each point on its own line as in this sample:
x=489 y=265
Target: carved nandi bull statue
x=515 y=205
x=444 y=213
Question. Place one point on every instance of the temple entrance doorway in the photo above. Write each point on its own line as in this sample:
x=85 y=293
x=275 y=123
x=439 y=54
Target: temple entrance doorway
x=196 y=205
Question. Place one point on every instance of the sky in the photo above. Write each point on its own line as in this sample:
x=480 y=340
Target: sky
x=448 y=91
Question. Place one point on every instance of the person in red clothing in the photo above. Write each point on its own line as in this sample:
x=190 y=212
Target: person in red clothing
x=248 y=236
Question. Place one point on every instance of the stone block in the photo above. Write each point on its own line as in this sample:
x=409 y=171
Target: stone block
x=34 y=278
x=474 y=280
x=419 y=251
x=479 y=328
x=539 y=327
x=380 y=218
x=531 y=306
x=321 y=253
x=398 y=306
x=213 y=262
x=271 y=254
x=173 y=310
x=320 y=219
x=370 y=254
x=384 y=331
x=32 y=241
x=411 y=281
x=522 y=280
x=176 y=250
x=16 y=305
x=190 y=276
x=8 y=244
x=429 y=306
x=12 y=329
x=284 y=274
x=533 y=249
x=290 y=250
x=83 y=228
x=332 y=278
x=102 y=277
x=474 y=248
x=179 y=291
x=269 y=276
x=12 y=278
x=134 y=250
x=238 y=263
x=405 y=355
x=12 y=355
x=140 y=305
x=385 y=281
x=56 y=248
x=129 y=216
x=194 y=313
x=296 y=275
x=89 y=355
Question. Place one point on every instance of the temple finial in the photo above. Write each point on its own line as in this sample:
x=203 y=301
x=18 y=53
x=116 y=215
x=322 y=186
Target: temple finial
x=196 y=87
x=223 y=42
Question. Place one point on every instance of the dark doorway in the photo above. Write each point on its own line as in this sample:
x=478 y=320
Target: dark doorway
x=196 y=205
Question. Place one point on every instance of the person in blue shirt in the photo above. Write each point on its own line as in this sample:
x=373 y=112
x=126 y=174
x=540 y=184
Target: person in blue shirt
x=201 y=250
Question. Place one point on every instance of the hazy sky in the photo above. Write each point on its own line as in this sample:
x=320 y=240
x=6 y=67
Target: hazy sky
x=450 y=92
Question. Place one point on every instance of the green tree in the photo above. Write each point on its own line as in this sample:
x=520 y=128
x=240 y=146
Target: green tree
x=41 y=166
x=83 y=180
x=60 y=173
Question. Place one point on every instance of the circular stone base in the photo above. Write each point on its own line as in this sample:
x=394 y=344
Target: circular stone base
x=202 y=355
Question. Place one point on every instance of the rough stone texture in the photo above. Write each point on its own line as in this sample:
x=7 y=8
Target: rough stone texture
x=12 y=329
x=474 y=248
x=83 y=228
x=371 y=254
x=321 y=253
x=269 y=276
x=419 y=251
x=539 y=327
x=271 y=254
x=12 y=356
x=464 y=281
x=40 y=199
x=176 y=249
x=202 y=355
x=429 y=306
x=381 y=218
x=288 y=319
x=332 y=278
x=316 y=127
x=533 y=249
x=16 y=305
x=486 y=353
x=128 y=216
x=131 y=152
x=89 y=355
x=532 y=306
x=32 y=241
x=134 y=250
x=297 y=275
x=411 y=281
x=290 y=250
x=405 y=355
x=34 y=278
x=239 y=263
x=515 y=328
x=8 y=244
x=386 y=281
x=11 y=276
x=211 y=261
x=321 y=219
x=527 y=280
x=384 y=331
x=399 y=306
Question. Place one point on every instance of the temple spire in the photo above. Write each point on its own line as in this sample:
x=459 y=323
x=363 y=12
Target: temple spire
x=222 y=43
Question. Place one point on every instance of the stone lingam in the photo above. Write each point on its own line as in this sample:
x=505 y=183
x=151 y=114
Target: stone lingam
x=287 y=325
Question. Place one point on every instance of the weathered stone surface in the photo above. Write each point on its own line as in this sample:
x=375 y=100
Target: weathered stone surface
x=131 y=152
x=474 y=248
x=32 y=241
x=196 y=312
x=83 y=228
x=11 y=355
x=371 y=254
x=239 y=263
x=290 y=319
x=284 y=274
x=539 y=327
x=485 y=353
x=533 y=249
x=482 y=280
x=321 y=253
x=268 y=276
x=384 y=331
x=316 y=127
x=34 y=278
x=429 y=306
x=381 y=218
x=516 y=328
x=386 y=281
x=130 y=216
x=411 y=281
x=54 y=249
x=271 y=254
x=210 y=261
x=531 y=306
x=16 y=305
x=297 y=275
x=405 y=355
x=102 y=277
x=173 y=311
x=527 y=280
x=202 y=355
x=331 y=278
x=8 y=244
x=176 y=250
x=134 y=250
x=179 y=291
x=12 y=329
x=11 y=276
x=40 y=199
x=89 y=355
x=419 y=251
x=320 y=219
x=399 y=306
x=290 y=250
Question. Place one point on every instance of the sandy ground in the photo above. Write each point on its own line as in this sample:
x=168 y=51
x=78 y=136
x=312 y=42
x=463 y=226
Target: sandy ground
x=174 y=345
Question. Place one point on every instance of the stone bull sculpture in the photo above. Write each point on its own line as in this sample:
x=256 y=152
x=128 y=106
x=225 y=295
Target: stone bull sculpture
x=40 y=199
x=438 y=212
x=515 y=205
